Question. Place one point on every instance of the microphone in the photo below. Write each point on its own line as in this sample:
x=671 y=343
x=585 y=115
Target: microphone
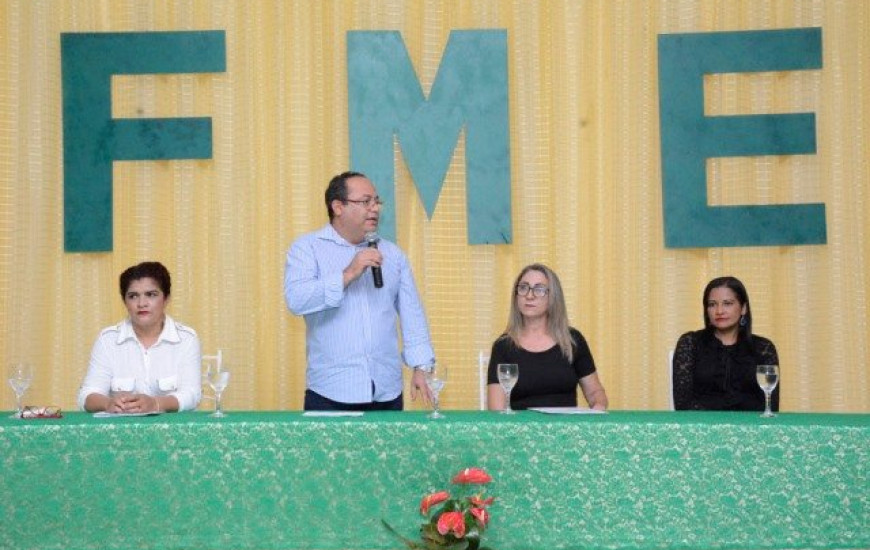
x=372 y=240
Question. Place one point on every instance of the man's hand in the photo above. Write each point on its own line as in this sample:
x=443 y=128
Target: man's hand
x=419 y=387
x=365 y=258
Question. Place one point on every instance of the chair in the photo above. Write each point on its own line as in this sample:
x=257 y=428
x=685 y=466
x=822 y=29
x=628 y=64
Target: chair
x=671 y=379
x=482 y=366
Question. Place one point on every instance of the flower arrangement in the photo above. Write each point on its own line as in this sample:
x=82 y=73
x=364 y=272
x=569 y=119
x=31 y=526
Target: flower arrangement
x=454 y=523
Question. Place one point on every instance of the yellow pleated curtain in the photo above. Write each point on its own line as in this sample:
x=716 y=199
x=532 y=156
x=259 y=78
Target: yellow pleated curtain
x=586 y=190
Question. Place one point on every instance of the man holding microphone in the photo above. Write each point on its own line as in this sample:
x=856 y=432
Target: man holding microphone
x=352 y=337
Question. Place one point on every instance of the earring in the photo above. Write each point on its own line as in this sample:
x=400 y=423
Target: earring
x=743 y=320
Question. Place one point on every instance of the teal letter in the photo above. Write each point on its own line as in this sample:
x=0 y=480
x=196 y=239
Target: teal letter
x=688 y=138
x=385 y=99
x=92 y=139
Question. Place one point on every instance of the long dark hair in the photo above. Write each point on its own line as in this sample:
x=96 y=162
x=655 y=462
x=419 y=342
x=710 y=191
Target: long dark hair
x=744 y=329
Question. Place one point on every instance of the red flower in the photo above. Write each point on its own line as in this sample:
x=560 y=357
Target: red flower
x=481 y=515
x=431 y=500
x=452 y=521
x=480 y=502
x=472 y=475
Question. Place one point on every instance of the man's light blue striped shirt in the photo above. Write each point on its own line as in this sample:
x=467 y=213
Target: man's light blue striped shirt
x=352 y=337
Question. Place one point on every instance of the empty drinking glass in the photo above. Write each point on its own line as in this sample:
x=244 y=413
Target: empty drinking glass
x=435 y=379
x=20 y=376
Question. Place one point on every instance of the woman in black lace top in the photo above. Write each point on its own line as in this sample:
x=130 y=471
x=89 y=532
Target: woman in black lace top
x=714 y=368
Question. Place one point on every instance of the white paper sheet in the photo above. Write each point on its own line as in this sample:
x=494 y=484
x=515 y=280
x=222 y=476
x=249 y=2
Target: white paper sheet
x=104 y=414
x=332 y=413
x=565 y=410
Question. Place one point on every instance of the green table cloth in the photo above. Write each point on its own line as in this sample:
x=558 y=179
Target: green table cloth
x=278 y=480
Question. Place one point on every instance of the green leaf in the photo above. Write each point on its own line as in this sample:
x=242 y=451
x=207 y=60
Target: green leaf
x=451 y=505
x=430 y=534
x=473 y=538
x=407 y=542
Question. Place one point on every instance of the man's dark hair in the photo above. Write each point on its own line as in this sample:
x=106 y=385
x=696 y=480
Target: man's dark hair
x=155 y=270
x=337 y=190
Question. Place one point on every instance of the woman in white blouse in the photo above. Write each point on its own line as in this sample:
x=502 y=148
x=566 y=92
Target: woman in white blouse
x=148 y=362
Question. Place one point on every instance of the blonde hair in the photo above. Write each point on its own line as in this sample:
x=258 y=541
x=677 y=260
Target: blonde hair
x=557 y=312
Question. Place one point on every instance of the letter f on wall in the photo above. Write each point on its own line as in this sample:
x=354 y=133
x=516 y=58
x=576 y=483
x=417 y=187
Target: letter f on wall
x=92 y=139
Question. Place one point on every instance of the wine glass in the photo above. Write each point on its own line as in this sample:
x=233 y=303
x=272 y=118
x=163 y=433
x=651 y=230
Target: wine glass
x=20 y=377
x=508 y=374
x=768 y=378
x=217 y=376
x=435 y=379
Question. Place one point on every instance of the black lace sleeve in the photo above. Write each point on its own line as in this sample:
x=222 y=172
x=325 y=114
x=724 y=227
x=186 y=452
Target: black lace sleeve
x=684 y=362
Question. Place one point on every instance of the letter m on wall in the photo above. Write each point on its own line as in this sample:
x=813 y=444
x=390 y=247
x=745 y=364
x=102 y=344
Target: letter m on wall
x=92 y=139
x=385 y=100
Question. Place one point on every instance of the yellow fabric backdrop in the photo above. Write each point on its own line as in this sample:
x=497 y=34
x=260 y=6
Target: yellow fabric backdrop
x=586 y=190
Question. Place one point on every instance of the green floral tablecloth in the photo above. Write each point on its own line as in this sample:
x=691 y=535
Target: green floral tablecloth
x=278 y=480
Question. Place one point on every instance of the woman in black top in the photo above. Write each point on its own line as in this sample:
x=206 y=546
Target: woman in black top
x=714 y=368
x=552 y=356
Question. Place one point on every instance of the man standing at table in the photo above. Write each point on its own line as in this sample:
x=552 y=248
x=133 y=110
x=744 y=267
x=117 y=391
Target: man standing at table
x=352 y=337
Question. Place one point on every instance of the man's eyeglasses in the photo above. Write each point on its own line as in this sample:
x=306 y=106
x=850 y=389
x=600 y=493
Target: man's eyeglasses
x=41 y=412
x=539 y=291
x=367 y=203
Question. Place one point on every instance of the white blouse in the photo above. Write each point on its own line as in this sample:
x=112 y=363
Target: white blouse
x=172 y=366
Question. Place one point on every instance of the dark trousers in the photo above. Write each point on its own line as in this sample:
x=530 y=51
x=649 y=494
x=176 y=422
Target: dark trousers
x=316 y=402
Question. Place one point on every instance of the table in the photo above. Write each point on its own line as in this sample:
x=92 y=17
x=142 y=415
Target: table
x=279 y=480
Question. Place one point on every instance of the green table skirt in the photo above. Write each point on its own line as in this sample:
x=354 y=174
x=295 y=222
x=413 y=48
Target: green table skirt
x=279 y=480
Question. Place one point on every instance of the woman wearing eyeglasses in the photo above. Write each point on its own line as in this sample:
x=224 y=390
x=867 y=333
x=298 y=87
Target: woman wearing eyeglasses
x=552 y=356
